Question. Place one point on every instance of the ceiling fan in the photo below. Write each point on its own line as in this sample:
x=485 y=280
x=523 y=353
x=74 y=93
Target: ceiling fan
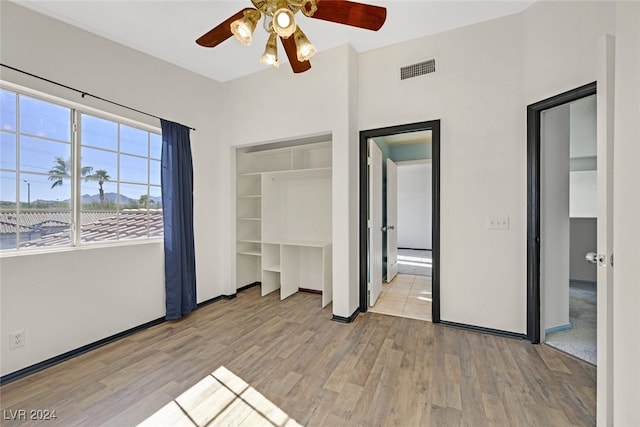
x=279 y=21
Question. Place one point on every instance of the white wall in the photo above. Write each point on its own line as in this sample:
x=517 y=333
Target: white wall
x=583 y=196
x=626 y=228
x=488 y=73
x=68 y=299
x=554 y=217
x=582 y=122
x=477 y=95
x=414 y=205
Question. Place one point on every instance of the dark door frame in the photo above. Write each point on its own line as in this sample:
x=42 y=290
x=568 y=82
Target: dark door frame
x=434 y=127
x=534 y=112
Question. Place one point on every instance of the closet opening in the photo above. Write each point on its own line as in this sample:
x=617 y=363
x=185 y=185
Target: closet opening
x=283 y=215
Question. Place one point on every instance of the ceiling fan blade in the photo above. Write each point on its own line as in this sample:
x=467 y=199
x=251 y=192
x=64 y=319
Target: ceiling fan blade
x=290 y=47
x=351 y=13
x=220 y=33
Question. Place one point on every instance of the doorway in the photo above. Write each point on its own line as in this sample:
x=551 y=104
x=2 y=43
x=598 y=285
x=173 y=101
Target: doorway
x=389 y=157
x=562 y=220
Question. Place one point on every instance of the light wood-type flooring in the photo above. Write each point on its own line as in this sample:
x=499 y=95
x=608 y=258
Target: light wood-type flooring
x=261 y=361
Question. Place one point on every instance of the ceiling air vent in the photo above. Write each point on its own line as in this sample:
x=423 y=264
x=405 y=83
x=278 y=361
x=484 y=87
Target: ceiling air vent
x=419 y=69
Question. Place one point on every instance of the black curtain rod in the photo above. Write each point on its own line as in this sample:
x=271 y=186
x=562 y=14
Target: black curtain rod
x=83 y=93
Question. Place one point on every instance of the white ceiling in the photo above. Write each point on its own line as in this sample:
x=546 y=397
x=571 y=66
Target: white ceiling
x=168 y=29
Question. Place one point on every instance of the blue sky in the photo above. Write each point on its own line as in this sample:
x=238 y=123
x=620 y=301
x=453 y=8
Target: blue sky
x=46 y=133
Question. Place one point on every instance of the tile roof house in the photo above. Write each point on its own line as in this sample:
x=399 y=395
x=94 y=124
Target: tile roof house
x=45 y=228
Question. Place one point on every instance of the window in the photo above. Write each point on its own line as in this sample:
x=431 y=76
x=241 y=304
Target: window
x=63 y=169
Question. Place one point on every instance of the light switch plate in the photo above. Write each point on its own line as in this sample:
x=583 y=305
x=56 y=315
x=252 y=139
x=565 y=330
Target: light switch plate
x=498 y=223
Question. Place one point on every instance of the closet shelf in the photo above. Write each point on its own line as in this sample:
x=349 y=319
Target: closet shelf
x=253 y=253
x=249 y=240
x=250 y=196
x=274 y=268
x=251 y=219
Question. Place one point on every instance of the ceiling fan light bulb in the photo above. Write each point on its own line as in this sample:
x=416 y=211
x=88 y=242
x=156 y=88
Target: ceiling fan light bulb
x=270 y=56
x=243 y=28
x=284 y=23
x=283 y=20
x=304 y=48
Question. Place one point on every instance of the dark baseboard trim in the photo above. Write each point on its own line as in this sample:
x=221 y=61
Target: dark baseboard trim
x=5 y=379
x=417 y=249
x=310 y=291
x=249 y=286
x=483 y=330
x=341 y=319
x=215 y=299
x=78 y=351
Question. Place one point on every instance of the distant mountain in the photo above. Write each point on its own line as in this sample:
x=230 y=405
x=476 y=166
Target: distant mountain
x=87 y=198
x=110 y=197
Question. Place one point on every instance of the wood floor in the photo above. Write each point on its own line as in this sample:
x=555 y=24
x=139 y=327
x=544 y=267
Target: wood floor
x=262 y=361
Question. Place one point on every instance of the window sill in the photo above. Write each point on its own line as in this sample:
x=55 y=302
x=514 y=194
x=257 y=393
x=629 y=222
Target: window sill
x=82 y=247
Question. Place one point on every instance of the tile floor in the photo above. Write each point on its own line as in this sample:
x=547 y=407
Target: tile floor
x=406 y=296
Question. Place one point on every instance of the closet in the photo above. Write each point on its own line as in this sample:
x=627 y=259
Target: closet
x=283 y=217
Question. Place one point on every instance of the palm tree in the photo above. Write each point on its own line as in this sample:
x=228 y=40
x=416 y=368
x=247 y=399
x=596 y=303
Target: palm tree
x=145 y=200
x=102 y=176
x=62 y=170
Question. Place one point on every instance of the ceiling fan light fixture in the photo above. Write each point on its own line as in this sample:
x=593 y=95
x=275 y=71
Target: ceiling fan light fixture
x=243 y=28
x=270 y=56
x=284 y=23
x=304 y=48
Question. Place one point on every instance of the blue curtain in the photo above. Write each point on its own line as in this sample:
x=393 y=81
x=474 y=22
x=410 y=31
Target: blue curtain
x=177 y=204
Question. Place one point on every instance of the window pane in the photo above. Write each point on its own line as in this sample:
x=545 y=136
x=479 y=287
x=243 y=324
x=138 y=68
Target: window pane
x=156 y=225
x=7 y=151
x=133 y=169
x=100 y=133
x=134 y=141
x=44 y=156
x=104 y=163
x=155 y=147
x=155 y=197
x=154 y=172
x=95 y=199
x=7 y=110
x=136 y=195
x=37 y=192
x=44 y=119
x=45 y=228
x=7 y=190
x=45 y=216
x=99 y=226
x=8 y=218
x=134 y=219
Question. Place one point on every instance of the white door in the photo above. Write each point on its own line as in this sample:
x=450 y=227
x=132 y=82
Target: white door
x=375 y=222
x=605 y=115
x=392 y=220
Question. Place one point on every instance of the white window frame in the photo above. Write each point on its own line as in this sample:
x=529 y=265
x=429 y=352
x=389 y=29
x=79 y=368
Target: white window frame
x=77 y=110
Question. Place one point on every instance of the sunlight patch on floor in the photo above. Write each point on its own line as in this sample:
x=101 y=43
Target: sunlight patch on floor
x=413 y=260
x=220 y=399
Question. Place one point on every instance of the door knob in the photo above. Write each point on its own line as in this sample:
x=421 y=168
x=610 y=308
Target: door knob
x=392 y=227
x=595 y=258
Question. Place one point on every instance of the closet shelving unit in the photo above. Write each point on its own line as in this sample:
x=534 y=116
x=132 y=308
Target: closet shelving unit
x=283 y=218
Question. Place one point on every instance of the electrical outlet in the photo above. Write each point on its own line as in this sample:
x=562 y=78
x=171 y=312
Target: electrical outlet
x=16 y=339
